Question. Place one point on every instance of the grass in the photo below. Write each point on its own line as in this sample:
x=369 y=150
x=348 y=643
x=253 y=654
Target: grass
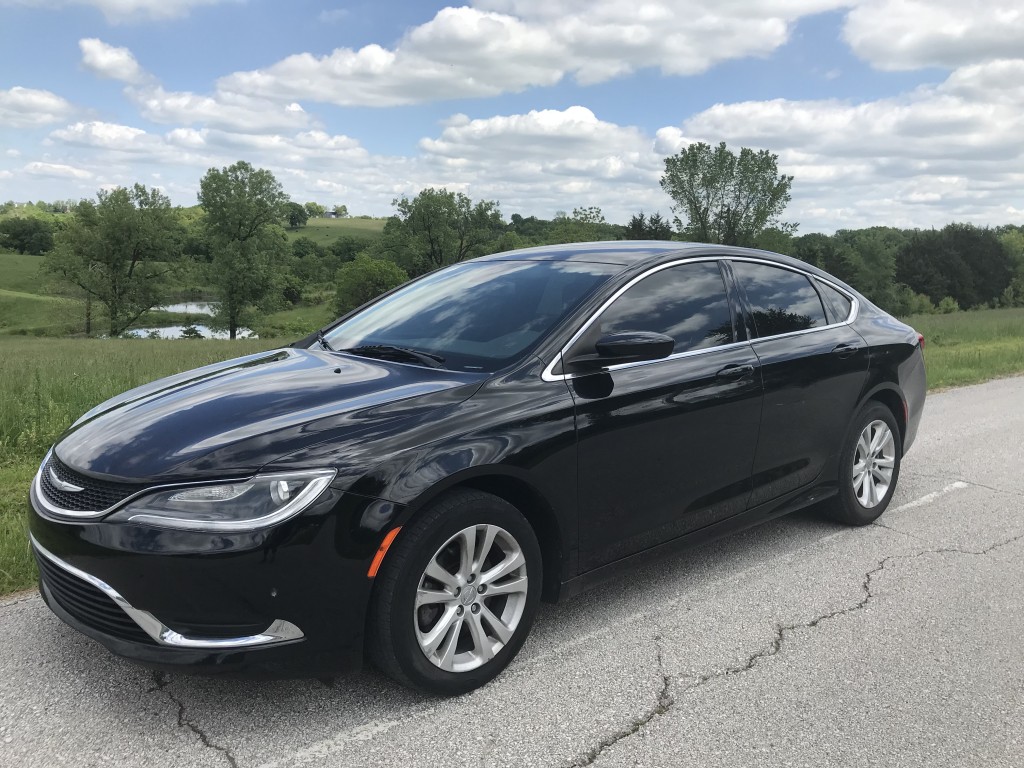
x=47 y=384
x=36 y=314
x=326 y=231
x=970 y=347
x=20 y=271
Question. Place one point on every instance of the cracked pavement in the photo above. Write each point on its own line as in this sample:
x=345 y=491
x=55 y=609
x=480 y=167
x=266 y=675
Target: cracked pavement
x=800 y=642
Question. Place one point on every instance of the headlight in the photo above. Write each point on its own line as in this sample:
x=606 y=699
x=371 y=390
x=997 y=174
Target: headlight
x=257 y=503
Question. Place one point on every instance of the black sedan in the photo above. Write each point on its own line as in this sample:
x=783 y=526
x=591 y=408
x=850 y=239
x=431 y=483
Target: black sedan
x=410 y=482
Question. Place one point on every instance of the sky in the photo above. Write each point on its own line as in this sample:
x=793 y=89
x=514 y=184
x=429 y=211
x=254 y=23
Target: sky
x=903 y=113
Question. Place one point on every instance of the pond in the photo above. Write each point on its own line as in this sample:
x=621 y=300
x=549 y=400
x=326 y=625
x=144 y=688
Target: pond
x=191 y=308
x=174 y=332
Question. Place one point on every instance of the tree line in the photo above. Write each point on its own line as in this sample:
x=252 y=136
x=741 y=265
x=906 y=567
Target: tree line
x=128 y=249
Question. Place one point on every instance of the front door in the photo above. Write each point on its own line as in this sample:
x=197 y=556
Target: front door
x=665 y=447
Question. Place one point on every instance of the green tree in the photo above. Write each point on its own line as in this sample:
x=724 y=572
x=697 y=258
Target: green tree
x=364 y=279
x=296 y=215
x=341 y=211
x=968 y=264
x=725 y=198
x=243 y=205
x=653 y=227
x=586 y=225
x=437 y=228
x=314 y=210
x=26 y=235
x=119 y=251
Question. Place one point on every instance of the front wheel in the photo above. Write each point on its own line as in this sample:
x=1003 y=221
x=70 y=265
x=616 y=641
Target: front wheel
x=457 y=594
x=869 y=466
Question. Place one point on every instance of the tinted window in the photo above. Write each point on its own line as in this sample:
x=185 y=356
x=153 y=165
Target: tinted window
x=476 y=315
x=688 y=303
x=782 y=301
x=840 y=302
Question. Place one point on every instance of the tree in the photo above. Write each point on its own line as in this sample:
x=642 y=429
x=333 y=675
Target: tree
x=965 y=263
x=641 y=227
x=296 y=215
x=364 y=279
x=437 y=228
x=314 y=210
x=341 y=211
x=243 y=205
x=119 y=251
x=586 y=225
x=26 y=235
x=724 y=198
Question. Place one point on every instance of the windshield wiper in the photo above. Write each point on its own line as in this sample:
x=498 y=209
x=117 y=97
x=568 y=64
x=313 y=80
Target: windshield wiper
x=388 y=350
x=323 y=342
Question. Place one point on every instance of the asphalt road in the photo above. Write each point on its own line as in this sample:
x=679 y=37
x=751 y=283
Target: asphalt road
x=797 y=643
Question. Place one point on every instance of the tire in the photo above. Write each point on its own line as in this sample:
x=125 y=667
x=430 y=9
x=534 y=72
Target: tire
x=451 y=643
x=866 y=487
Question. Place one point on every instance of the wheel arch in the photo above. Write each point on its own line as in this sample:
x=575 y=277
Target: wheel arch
x=525 y=497
x=891 y=398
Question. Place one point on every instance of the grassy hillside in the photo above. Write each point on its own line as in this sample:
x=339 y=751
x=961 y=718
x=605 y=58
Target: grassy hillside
x=20 y=272
x=326 y=231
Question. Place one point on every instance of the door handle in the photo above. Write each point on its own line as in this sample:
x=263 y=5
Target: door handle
x=735 y=371
x=845 y=350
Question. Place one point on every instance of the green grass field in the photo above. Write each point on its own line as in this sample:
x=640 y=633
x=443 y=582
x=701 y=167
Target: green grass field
x=326 y=231
x=20 y=272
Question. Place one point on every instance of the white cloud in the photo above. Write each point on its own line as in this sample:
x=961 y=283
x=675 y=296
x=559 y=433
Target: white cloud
x=910 y=34
x=27 y=107
x=232 y=112
x=121 y=138
x=114 y=63
x=58 y=170
x=126 y=10
x=504 y=46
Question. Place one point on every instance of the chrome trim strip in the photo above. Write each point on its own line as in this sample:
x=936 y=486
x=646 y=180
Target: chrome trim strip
x=279 y=631
x=549 y=375
x=60 y=513
x=69 y=487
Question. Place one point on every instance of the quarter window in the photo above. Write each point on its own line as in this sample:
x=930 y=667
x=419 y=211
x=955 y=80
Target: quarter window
x=781 y=301
x=839 y=301
x=687 y=302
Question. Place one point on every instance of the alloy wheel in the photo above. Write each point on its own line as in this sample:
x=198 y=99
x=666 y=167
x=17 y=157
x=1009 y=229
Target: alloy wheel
x=470 y=598
x=873 y=461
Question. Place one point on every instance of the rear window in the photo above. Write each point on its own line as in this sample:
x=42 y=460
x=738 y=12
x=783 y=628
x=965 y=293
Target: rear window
x=781 y=301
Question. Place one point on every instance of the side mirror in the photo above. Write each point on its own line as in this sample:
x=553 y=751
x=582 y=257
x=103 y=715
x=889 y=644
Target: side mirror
x=625 y=347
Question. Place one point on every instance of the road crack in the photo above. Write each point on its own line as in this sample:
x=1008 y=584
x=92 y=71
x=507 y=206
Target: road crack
x=161 y=680
x=666 y=700
x=663 y=705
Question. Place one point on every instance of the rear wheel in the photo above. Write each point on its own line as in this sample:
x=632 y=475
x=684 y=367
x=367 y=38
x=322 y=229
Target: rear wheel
x=869 y=466
x=456 y=595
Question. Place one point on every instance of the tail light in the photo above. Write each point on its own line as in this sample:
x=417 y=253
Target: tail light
x=920 y=340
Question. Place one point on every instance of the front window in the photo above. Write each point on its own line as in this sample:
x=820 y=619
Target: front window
x=474 y=316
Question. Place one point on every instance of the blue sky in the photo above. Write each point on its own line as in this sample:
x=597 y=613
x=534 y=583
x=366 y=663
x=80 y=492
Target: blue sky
x=901 y=112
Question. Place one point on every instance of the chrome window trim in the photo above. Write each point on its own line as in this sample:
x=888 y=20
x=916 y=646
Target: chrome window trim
x=279 y=631
x=549 y=375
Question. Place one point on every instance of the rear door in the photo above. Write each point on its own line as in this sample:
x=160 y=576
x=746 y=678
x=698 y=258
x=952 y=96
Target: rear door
x=813 y=366
x=665 y=446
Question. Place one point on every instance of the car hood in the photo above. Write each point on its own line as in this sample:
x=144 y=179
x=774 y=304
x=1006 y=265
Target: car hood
x=237 y=416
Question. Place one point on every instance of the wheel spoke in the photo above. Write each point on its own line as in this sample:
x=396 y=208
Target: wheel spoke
x=862 y=445
x=447 y=652
x=429 y=641
x=437 y=573
x=510 y=587
x=504 y=568
x=501 y=630
x=480 y=642
x=484 y=544
x=431 y=596
x=467 y=545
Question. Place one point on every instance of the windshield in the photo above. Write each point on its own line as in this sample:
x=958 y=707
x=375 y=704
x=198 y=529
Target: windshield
x=474 y=316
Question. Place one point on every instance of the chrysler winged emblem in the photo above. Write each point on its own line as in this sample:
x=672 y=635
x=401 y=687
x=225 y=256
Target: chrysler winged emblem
x=70 y=487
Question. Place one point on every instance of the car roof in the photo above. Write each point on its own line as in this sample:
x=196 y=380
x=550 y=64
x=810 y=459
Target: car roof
x=620 y=252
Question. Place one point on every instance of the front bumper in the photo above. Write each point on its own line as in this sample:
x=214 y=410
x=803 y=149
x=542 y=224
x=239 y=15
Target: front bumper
x=289 y=601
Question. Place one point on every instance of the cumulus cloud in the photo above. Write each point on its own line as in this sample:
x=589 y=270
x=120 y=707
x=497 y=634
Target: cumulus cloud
x=911 y=34
x=110 y=62
x=27 y=107
x=499 y=46
x=57 y=170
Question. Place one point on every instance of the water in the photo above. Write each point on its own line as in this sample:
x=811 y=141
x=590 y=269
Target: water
x=191 y=308
x=174 y=332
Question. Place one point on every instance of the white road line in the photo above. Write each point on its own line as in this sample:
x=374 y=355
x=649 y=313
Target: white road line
x=930 y=497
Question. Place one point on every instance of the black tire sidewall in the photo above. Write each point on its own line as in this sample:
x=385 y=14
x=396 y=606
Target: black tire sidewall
x=850 y=510
x=463 y=512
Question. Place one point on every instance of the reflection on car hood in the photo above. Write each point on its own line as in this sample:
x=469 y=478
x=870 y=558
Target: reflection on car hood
x=235 y=417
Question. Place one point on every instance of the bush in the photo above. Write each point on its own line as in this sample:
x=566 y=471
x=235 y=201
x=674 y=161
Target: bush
x=948 y=305
x=364 y=279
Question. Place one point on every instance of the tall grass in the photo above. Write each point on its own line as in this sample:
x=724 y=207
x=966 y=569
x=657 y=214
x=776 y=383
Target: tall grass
x=968 y=347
